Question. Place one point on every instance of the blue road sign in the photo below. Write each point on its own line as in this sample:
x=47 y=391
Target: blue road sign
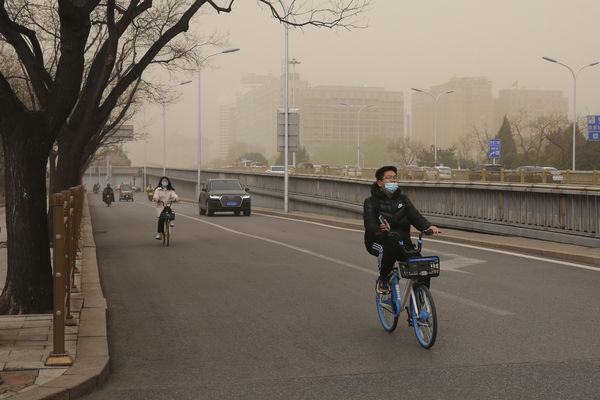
x=494 y=148
x=594 y=127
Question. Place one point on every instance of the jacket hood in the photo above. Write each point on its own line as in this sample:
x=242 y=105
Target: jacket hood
x=377 y=192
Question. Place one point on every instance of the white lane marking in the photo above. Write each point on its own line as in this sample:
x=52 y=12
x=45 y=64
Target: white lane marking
x=470 y=246
x=462 y=300
x=458 y=299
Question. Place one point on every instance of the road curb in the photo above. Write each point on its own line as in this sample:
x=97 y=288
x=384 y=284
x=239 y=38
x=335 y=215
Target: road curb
x=90 y=368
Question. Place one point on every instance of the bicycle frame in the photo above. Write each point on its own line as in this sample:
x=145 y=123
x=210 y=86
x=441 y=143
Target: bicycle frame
x=401 y=297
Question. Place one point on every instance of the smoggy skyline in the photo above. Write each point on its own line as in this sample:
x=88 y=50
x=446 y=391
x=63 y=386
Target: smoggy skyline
x=406 y=44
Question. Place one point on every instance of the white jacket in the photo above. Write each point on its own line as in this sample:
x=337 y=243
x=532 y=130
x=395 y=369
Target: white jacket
x=166 y=196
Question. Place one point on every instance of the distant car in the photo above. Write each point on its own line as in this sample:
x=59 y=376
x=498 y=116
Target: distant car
x=276 y=169
x=414 y=171
x=305 y=165
x=445 y=173
x=258 y=164
x=490 y=169
x=557 y=176
x=530 y=170
x=224 y=195
x=351 y=170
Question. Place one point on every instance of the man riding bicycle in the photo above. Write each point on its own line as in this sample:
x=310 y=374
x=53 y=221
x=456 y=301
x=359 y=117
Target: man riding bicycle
x=398 y=214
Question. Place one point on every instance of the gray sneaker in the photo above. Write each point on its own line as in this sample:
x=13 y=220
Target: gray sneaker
x=383 y=286
x=172 y=224
x=158 y=236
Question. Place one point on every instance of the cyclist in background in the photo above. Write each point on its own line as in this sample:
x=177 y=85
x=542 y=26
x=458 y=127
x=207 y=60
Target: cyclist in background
x=398 y=215
x=163 y=195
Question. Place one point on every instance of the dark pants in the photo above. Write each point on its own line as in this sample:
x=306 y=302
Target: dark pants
x=161 y=225
x=391 y=251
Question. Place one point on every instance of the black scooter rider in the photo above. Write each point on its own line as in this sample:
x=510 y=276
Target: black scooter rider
x=108 y=195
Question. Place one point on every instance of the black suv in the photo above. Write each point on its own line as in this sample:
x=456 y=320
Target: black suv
x=224 y=195
x=490 y=169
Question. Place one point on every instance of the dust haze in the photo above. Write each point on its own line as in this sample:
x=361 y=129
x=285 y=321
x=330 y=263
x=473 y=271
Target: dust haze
x=406 y=44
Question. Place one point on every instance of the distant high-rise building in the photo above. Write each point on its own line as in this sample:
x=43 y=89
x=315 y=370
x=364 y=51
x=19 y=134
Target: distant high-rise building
x=471 y=106
x=323 y=118
x=530 y=104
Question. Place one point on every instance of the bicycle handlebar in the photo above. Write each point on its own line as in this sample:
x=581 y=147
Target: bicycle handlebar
x=408 y=251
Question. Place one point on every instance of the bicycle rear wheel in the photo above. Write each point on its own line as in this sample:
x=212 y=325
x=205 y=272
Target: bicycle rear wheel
x=423 y=316
x=386 y=308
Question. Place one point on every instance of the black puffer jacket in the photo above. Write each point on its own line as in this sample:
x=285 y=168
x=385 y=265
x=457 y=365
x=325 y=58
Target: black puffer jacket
x=398 y=211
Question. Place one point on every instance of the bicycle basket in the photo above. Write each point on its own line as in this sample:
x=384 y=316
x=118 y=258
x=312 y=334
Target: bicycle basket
x=420 y=266
x=167 y=213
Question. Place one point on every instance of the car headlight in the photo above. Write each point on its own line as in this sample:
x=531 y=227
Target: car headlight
x=216 y=197
x=246 y=196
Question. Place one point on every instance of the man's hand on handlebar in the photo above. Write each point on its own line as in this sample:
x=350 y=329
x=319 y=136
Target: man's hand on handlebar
x=432 y=230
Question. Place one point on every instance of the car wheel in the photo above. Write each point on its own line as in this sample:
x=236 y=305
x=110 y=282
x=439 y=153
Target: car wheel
x=209 y=212
x=236 y=213
x=247 y=212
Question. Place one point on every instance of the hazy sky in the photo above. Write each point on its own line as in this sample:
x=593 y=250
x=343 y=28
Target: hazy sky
x=407 y=44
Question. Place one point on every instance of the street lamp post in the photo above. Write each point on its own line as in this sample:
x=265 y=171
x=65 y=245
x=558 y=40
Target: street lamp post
x=294 y=62
x=435 y=121
x=575 y=74
x=199 y=139
x=287 y=11
x=360 y=109
x=165 y=124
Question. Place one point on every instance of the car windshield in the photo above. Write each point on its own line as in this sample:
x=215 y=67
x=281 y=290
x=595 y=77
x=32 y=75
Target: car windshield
x=125 y=187
x=444 y=169
x=277 y=168
x=225 y=185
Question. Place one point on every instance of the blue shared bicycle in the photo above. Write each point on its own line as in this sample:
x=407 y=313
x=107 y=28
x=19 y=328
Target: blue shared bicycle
x=414 y=296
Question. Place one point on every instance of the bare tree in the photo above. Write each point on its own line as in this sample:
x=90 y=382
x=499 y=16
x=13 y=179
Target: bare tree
x=70 y=104
x=481 y=140
x=407 y=150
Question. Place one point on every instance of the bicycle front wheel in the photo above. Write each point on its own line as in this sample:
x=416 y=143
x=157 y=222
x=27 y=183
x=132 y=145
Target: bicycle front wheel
x=386 y=308
x=167 y=233
x=423 y=316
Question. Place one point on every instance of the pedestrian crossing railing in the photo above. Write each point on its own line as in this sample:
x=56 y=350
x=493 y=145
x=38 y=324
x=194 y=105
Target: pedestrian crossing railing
x=67 y=209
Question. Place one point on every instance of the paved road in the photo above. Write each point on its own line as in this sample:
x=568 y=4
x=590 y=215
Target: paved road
x=262 y=307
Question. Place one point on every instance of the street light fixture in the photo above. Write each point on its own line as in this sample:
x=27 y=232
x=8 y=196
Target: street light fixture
x=360 y=108
x=435 y=122
x=575 y=74
x=199 y=139
x=165 y=123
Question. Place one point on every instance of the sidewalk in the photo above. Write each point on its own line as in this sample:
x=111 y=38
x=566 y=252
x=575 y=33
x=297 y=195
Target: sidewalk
x=26 y=340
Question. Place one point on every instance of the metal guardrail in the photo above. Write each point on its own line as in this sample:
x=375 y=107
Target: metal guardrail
x=67 y=208
x=568 y=177
x=558 y=212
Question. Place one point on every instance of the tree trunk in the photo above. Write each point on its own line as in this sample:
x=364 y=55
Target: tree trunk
x=68 y=167
x=28 y=288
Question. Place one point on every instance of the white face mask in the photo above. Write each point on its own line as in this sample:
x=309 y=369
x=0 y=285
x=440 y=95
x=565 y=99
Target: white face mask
x=391 y=187
x=164 y=184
